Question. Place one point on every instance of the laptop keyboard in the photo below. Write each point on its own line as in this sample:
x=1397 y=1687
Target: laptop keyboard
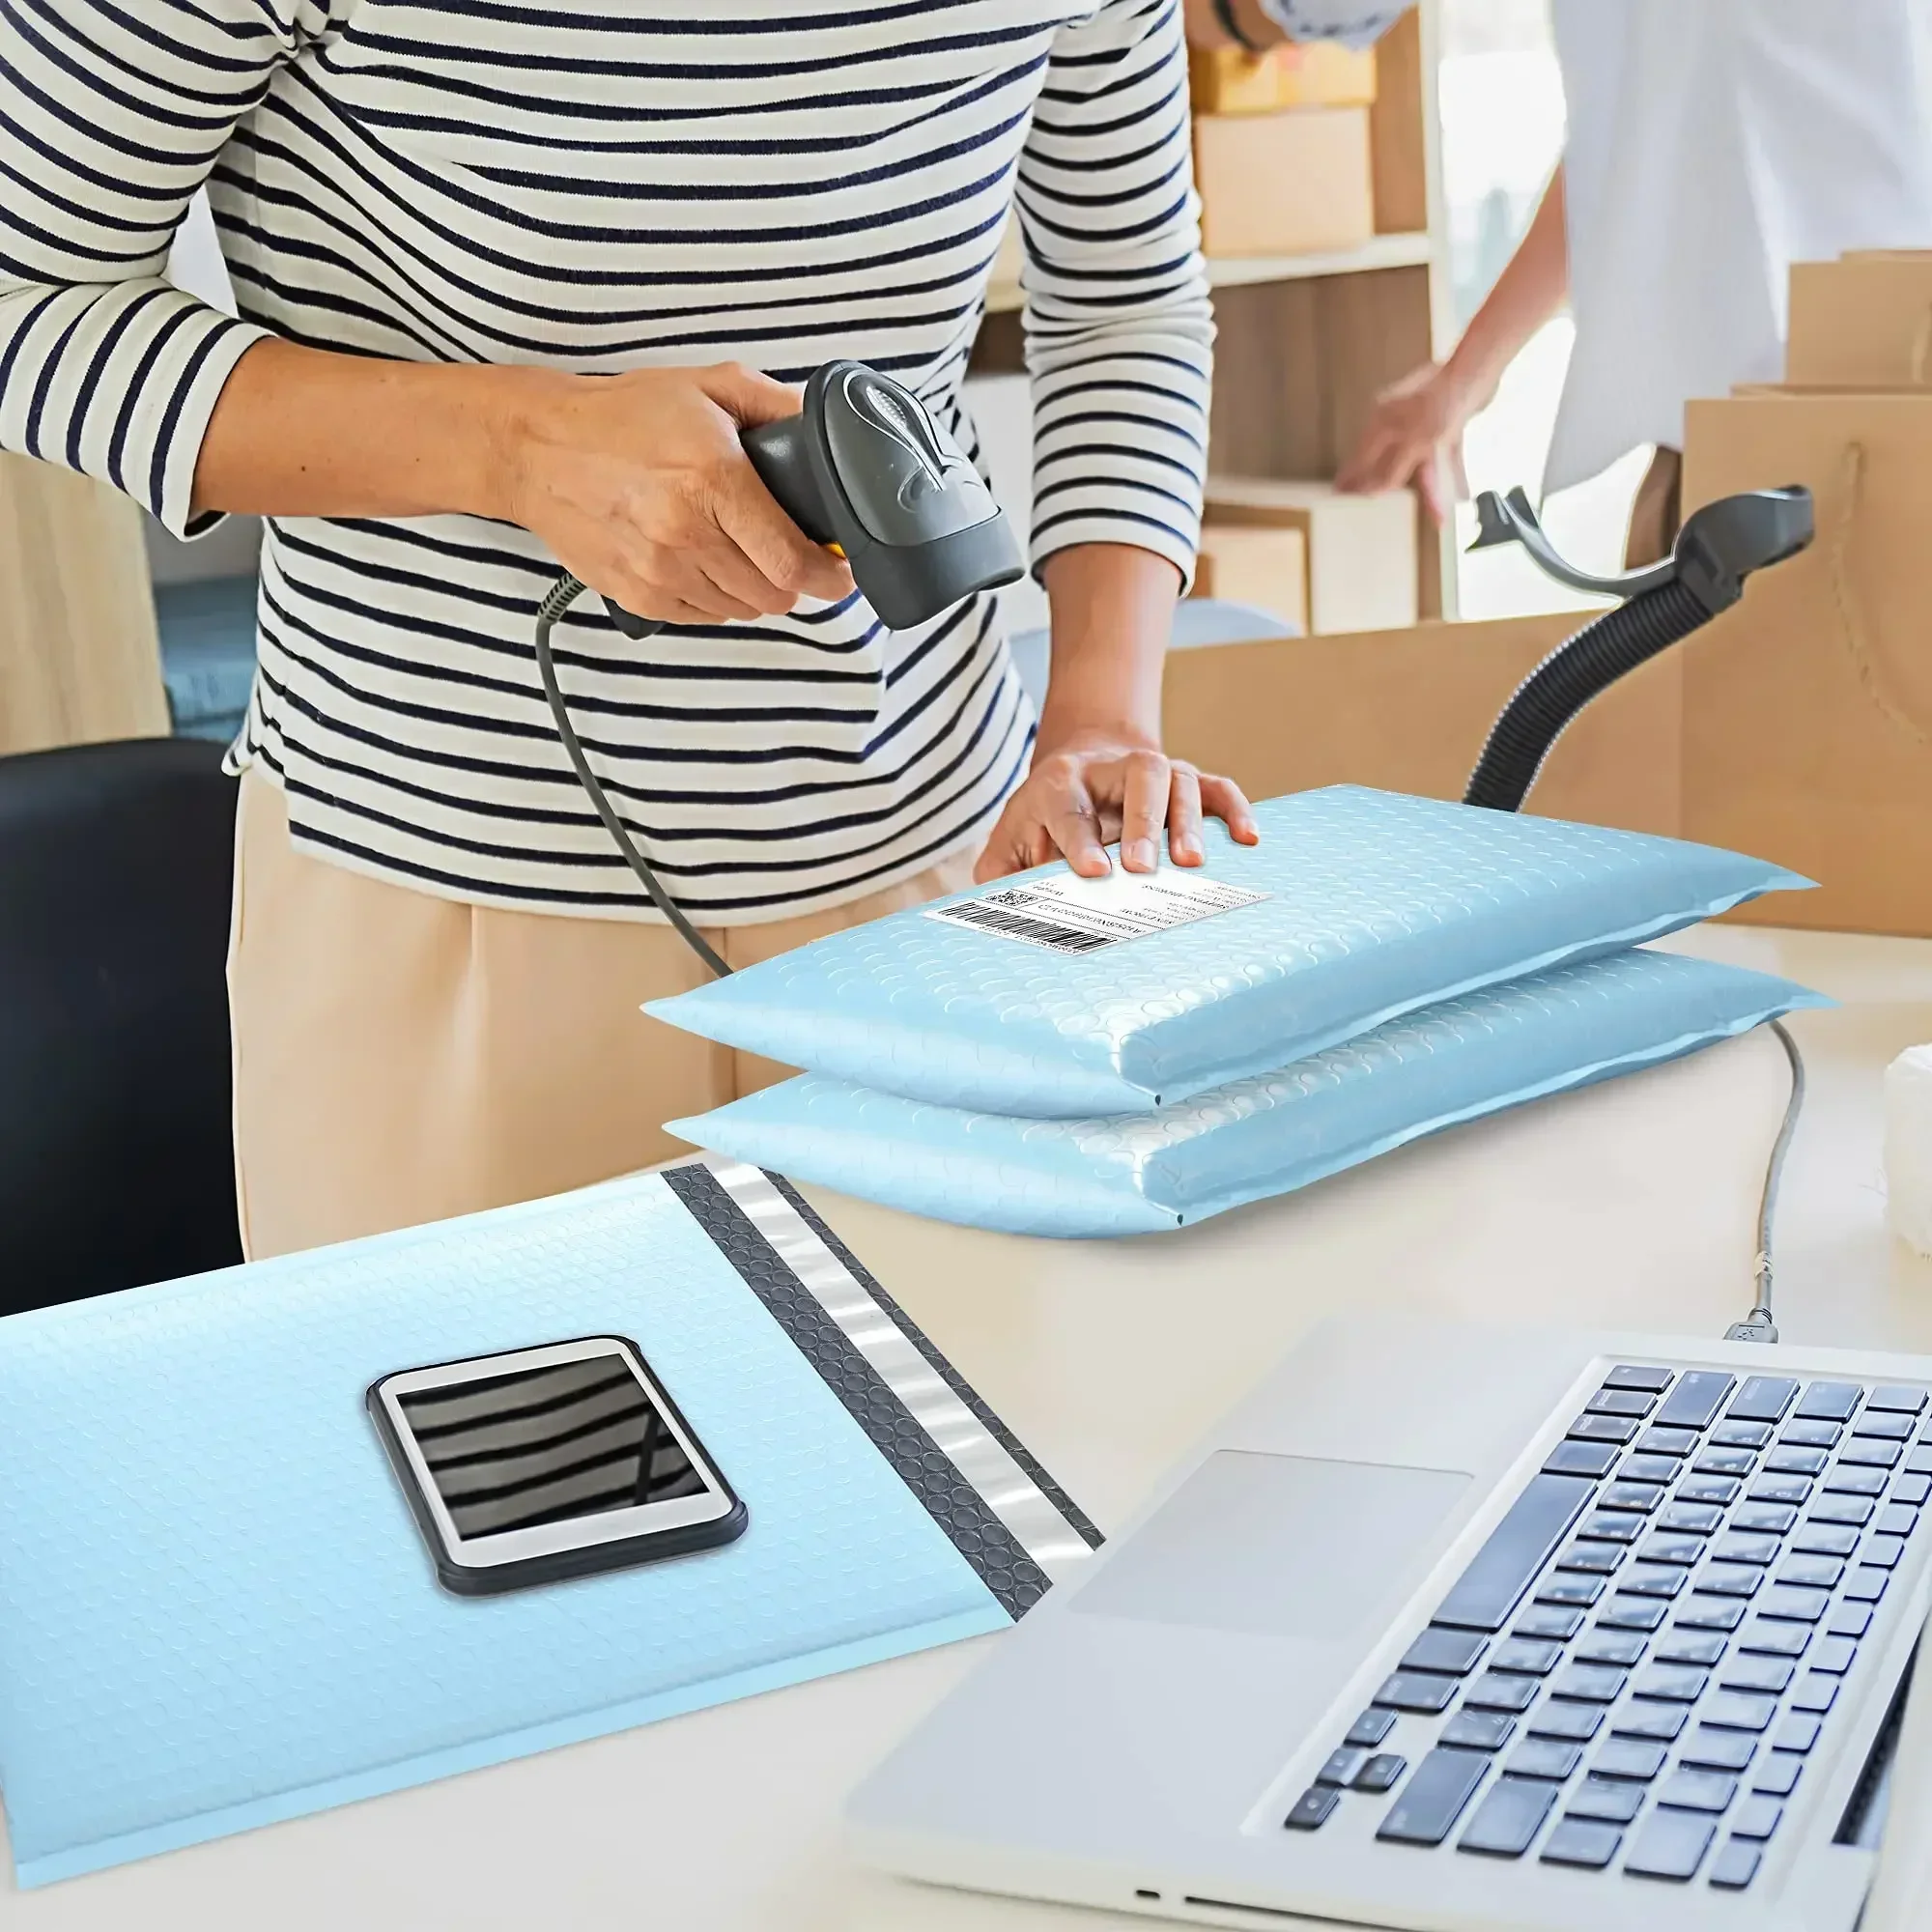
x=1636 y=1669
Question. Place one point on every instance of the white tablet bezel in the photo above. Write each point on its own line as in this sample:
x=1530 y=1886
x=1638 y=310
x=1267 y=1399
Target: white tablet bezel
x=549 y=1539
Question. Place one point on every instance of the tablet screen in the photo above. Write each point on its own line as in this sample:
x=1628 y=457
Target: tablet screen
x=546 y=1445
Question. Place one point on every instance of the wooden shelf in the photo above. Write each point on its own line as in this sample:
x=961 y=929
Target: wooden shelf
x=1234 y=272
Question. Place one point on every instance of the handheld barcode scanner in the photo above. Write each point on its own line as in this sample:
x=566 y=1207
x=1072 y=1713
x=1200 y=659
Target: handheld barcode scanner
x=864 y=469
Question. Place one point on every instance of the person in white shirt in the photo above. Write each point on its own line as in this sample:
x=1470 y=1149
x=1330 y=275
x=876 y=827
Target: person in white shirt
x=1709 y=147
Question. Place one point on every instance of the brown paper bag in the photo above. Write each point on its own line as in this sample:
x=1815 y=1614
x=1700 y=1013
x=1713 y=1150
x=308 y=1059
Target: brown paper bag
x=1808 y=728
x=1864 y=322
x=1409 y=710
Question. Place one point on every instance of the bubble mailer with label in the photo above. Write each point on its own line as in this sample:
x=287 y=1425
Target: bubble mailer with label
x=216 y=1611
x=1059 y=997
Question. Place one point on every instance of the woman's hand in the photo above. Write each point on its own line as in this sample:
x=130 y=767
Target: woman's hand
x=1101 y=784
x=1414 y=434
x=639 y=486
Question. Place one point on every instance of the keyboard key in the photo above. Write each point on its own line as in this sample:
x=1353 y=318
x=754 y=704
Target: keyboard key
x=1775 y=1639
x=1683 y=1550
x=1797 y=1733
x=1695 y=1648
x=1711 y=1614
x=1597 y=1559
x=1735 y=1547
x=1493 y=1692
x=1581 y=1459
x=1781 y=1490
x=1670 y=1845
x=1643 y=1498
x=1884 y=1428
x=1655 y=1441
x=1517 y=1550
x=1382 y=1773
x=1695 y=1402
x=1620 y=1401
x=1762 y=1399
x=1788 y=1460
x=1855 y=1482
x=1566 y=1588
x=1902 y=1401
x=1590 y=1683
x=1658 y=1470
x=1433 y=1798
x=1742 y=1434
x=1615 y=1429
x=1448 y=1653
x=1825 y=1539
x=1652 y=1580
x=1881 y=1553
x=1896 y=1521
x=1794 y=1606
x=1655 y=1723
x=1865 y=1585
x=1612 y=1526
x=1777 y=1776
x=1341 y=1769
x=1834 y=1654
x=1671 y=1684
x=1831 y=1402
x=1817 y=1434
x=1736 y=1865
x=1638 y=1375
x=1312 y=1809
x=1575 y=1842
x=1817 y=1694
x=1544 y=1757
x=1618 y=1647
x=1910 y=1490
x=1699 y=1790
x=1812 y=1573
x=1729 y=1579
x=1508 y=1818
x=1628 y=1758
x=1870 y=1453
x=1718 y=1751
x=1767 y=1676
x=1920 y=1461
x=1631 y=1614
x=1412 y=1691
x=1756 y=1818
x=1370 y=1730
x=1526 y=1656
x=1853 y=1510
x=1767 y=1519
x=1737 y=1711
x=1478 y=1730
x=1609 y=1801
x=1547 y=1621
x=1718 y=1490
x=1567 y=1724
x=1726 y=1463
x=1849 y=1620
x=1691 y=1518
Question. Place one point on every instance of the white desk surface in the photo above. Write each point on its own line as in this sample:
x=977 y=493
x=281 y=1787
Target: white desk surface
x=1631 y=1205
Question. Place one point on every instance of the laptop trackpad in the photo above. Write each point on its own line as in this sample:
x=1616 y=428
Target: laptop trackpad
x=1279 y=1545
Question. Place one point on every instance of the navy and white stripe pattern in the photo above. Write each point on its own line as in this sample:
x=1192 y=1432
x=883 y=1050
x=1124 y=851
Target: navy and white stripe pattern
x=673 y=182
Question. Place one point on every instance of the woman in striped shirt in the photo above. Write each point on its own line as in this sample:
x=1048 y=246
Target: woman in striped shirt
x=504 y=273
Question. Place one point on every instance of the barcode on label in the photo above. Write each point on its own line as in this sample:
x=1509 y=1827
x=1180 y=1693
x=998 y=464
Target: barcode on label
x=1018 y=926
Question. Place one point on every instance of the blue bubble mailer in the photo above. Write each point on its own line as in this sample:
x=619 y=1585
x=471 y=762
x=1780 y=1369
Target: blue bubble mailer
x=1137 y=1173
x=216 y=1612
x=1371 y=905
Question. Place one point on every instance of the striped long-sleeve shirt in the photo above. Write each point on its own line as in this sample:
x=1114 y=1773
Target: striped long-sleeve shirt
x=656 y=181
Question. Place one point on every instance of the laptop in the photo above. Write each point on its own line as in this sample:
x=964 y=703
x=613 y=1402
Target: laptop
x=1456 y=1627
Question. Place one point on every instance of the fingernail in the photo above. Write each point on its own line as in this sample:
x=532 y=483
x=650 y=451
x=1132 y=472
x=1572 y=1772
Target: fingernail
x=1186 y=847
x=1140 y=855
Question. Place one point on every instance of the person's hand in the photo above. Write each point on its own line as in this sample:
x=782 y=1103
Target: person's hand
x=1205 y=28
x=639 y=486
x=1096 y=786
x=1414 y=434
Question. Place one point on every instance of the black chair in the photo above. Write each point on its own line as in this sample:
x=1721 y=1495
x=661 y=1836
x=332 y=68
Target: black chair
x=116 y=1153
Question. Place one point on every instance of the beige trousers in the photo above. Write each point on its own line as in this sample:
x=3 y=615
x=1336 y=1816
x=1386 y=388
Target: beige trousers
x=1656 y=510
x=400 y=1058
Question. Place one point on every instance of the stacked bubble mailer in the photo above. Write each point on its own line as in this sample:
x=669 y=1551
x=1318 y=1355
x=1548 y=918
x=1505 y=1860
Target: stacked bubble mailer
x=1053 y=1055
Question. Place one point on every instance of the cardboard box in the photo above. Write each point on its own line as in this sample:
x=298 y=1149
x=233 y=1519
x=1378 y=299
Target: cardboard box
x=1359 y=552
x=1317 y=73
x=1266 y=569
x=1290 y=183
x=1861 y=323
x=1409 y=710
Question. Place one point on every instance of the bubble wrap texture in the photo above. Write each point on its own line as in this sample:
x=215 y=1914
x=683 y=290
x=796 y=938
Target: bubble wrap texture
x=1380 y=903
x=216 y=1610
x=1129 y=1173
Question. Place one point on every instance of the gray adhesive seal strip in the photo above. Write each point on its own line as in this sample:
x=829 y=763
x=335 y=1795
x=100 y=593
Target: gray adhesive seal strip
x=1033 y=1520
